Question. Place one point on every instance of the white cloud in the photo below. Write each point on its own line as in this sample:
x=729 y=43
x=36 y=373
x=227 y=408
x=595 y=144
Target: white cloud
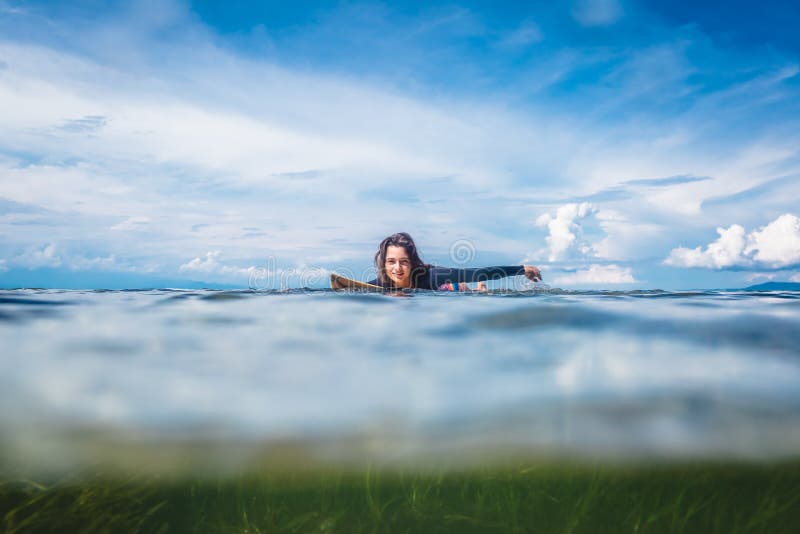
x=35 y=258
x=760 y=276
x=80 y=263
x=579 y=231
x=173 y=154
x=250 y=139
x=211 y=265
x=773 y=246
x=778 y=243
x=3 y=267
x=526 y=34
x=8 y=9
x=795 y=277
x=727 y=251
x=628 y=239
x=269 y=276
x=598 y=274
x=50 y=256
x=131 y=223
x=301 y=275
x=564 y=232
x=597 y=12
x=207 y=265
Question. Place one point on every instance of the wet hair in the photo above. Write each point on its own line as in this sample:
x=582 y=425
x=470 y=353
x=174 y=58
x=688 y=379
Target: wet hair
x=401 y=239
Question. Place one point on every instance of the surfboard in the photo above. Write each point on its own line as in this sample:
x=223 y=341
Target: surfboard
x=340 y=282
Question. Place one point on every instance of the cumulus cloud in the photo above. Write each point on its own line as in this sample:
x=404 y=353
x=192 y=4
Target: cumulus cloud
x=47 y=256
x=598 y=274
x=778 y=243
x=579 y=231
x=775 y=245
x=564 y=231
x=726 y=251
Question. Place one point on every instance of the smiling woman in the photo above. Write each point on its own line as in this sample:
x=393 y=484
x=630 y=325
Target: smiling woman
x=399 y=266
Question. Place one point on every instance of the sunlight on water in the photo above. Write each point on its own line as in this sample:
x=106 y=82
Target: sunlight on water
x=346 y=376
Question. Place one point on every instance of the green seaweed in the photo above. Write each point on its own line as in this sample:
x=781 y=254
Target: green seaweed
x=545 y=497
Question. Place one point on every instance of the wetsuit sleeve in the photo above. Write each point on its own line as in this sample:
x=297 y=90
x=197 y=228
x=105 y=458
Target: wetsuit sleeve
x=444 y=275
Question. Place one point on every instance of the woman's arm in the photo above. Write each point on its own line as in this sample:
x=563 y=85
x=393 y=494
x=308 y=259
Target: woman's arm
x=440 y=276
x=444 y=275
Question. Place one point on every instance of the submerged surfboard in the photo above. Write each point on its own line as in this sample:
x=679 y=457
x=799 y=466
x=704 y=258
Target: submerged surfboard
x=340 y=282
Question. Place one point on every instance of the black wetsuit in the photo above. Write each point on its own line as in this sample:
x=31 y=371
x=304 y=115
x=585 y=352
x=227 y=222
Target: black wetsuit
x=436 y=277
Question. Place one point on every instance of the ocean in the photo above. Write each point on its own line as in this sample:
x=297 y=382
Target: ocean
x=406 y=379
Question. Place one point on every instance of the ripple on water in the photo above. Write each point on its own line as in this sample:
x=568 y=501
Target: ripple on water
x=701 y=304
x=22 y=301
x=15 y=308
x=753 y=331
x=28 y=314
x=544 y=315
x=105 y=346
x=213 y=320
x=177 y=298
x=225 y=295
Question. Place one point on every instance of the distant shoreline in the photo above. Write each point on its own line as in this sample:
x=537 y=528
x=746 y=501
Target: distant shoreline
x=774 y=286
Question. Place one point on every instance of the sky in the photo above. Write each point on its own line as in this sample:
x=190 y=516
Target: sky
x=615 y=144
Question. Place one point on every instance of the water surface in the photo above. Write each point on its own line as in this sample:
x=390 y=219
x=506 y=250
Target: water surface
x=621 y=374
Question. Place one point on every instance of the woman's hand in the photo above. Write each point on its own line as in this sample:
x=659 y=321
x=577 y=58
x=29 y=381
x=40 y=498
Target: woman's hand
x=532 y=273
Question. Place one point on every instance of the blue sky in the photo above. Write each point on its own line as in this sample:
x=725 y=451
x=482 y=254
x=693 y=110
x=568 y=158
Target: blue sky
x=616 y=144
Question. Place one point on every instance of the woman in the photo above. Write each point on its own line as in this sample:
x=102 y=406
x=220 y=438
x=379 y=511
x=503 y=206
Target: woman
x=399 y=266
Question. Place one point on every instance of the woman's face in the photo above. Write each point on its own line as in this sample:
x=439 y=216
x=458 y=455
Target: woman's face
x=398 y=266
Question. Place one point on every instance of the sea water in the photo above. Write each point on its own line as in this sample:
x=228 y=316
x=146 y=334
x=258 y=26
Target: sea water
x=401 y=377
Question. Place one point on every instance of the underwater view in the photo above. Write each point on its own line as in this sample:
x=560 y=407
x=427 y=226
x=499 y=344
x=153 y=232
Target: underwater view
x=161 y=391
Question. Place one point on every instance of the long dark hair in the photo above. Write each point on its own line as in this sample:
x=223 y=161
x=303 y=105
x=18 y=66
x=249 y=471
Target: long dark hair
x=401 y=239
